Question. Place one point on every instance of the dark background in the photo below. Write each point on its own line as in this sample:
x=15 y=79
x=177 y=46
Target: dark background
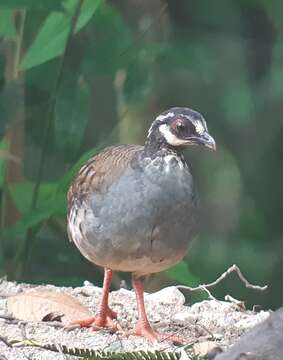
x=63 y=96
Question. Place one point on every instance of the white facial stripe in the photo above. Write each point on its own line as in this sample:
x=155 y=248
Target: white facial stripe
x=205 y=125
x=160 y=118
x=163 y=117
x=169 y=136
x=199 y=127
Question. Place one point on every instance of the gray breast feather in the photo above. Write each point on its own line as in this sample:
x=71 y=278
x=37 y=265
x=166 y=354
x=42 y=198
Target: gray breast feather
x=143 y=213
x=143 y=223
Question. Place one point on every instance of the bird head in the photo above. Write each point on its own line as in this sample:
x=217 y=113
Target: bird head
x=180 y=127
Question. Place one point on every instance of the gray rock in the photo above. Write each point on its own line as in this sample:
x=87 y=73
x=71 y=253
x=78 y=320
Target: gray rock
x=264 y=342
x=168 y=295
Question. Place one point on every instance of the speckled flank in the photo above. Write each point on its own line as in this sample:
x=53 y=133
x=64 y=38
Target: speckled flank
x=129 y=228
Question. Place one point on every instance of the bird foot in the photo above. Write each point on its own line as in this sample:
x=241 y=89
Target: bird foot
x=146 y=331
x=104 y=319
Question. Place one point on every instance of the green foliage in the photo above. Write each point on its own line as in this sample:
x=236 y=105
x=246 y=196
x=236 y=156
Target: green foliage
x=136 y=355
x=51 y=203
x=53 y=34
x=4 y=146
x=113 y=46
x=241 y=94
x=53 y=5
x=22 y=194
x=7 y=24
x=182 y=274
x=71 y=114
x=36 y=217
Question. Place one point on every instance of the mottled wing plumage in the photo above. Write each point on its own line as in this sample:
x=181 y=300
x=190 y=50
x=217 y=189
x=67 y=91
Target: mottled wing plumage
x=99 y=172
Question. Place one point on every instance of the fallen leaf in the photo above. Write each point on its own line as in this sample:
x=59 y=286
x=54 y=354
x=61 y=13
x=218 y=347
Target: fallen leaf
x=37 y=305
x=53 y=316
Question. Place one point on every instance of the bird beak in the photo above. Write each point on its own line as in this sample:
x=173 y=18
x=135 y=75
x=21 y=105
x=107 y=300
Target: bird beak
x=204 y=139
x=208 y=141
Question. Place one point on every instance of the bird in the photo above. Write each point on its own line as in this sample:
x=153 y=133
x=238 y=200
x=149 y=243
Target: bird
x=133 y=208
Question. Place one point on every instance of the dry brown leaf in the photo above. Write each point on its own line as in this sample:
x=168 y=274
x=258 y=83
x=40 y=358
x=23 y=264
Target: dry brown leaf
x=37 y=304
x=53 y=316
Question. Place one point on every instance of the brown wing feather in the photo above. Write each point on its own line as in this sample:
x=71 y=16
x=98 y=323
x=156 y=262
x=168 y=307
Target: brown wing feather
x=100 y=171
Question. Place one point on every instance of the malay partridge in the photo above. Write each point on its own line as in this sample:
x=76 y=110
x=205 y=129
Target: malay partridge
x=132 y=208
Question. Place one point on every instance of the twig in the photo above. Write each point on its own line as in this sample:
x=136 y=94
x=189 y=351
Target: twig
x=122 y=349
x=175 y=333
x=7 y=317
x=239 y=303
x=210 y=296
x=206 y=329
x=5 y=341
x=19 y=41
x=233 y=268
x=22 y=326
x=186 y=327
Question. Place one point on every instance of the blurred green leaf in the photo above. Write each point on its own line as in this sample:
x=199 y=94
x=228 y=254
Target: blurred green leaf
x=56 y=206
x=71 y=114
x=113 y=46
x=182 y=274
x=137 y=84
x=11 y=102
x=4 y=146
x=238 y=92
x=51 y=39
x=7 y=24
x=52 y=199
x=22 y=194
x=41 y=4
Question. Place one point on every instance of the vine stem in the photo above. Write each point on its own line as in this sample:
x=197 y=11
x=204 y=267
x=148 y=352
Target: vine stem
x=19 y=41
x=13 y=51
x=74 y=20
x=24 y=252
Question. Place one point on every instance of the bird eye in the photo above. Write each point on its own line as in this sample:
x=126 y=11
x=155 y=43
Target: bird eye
x=180 y=126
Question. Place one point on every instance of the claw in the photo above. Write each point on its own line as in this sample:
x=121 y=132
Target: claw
x=146 y=331
x=104 y=319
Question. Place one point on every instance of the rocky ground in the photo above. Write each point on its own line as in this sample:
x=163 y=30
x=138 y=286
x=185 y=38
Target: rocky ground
x=204 y=325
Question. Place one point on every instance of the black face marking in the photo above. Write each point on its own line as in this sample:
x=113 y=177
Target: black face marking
x=179 y=127
x=182 y=127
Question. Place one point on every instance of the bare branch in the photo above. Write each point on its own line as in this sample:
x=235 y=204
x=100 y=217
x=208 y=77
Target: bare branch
x=233 y=268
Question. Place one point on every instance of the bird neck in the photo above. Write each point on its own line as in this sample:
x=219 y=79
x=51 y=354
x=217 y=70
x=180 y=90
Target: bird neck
x=155 y=145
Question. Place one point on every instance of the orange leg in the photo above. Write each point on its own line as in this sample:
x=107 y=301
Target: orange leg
x=105 y=315
x=143 y=327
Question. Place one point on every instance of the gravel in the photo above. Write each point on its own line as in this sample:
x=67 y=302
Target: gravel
x=216 y=322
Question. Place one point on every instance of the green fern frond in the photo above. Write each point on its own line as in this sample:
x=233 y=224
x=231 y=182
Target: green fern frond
x=135 y=355
x=89 y=354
